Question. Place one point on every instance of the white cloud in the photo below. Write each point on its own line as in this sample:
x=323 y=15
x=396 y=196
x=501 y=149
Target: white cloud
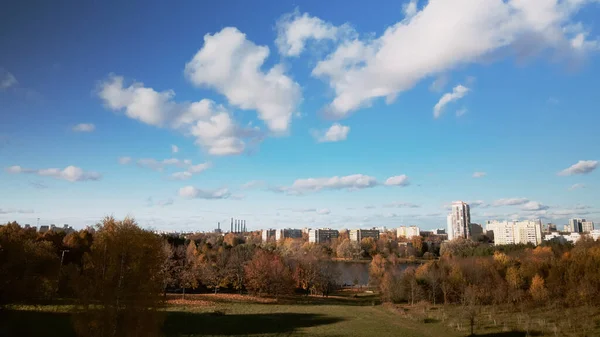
x=439 y=83
x=191 y=170
x=350 y=182
x=16 y=211
x=124 y=160
x=231 y=64
x=181 y=175
x=192 y=192
x=211 y=124
x=323 y=211
x=400 y=204
x=401 y=180
x=174 y=149
x=581 y=167
x=442 y=36
x=534 y=206
x=511 y=202
x=410 y=9
x=576 y=186
x=69 y=173
x=335 y=133
x=479 y=174
x=293 y=31
x=84 y=127
x=457 y=93
x=7 y=79
x=253 y=184
x=461 y=112
x=477 y=203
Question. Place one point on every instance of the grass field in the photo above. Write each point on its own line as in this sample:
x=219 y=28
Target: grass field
x=236 y=315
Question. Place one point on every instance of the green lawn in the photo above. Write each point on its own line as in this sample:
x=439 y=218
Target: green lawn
x=219 y=316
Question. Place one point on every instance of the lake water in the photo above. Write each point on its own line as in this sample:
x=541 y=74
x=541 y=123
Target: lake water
x=349 y=272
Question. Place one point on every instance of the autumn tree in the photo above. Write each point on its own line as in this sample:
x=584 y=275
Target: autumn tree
x=28 y=267
x=120 y=287
x=239 y=257
x=266 y=274
x=188 y=268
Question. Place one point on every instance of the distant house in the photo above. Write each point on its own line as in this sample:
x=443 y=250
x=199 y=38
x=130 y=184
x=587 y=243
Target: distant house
x=322 y=235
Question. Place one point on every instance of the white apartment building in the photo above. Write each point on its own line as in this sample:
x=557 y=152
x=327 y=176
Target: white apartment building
x=322 y=235
x=288 y=233
x=408 y=232
x=515 y=232
x=587 y=226
x=458 y=221
x=358 y=234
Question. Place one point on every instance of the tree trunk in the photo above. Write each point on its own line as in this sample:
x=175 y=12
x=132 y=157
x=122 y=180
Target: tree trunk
x=183 y=294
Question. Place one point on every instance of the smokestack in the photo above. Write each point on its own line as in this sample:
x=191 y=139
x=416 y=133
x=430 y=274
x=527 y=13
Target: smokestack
x=219 y=226
x=231 y=225
x=237 y=226
x=244 y=226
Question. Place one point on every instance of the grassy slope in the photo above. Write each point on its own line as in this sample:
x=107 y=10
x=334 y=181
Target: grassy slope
x=224 y=315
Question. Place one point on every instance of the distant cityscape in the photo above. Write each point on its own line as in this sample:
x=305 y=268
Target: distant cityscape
x=458 y=225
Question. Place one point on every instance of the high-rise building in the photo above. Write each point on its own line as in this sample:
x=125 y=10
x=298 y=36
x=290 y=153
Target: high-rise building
x=515 y=232
x=459 y=220
x=408 y=232
x=322 y=235
x=576 y=225
x=587 y=226
x=359 y=234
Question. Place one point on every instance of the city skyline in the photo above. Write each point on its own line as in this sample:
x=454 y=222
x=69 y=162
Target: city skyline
x=315 y=115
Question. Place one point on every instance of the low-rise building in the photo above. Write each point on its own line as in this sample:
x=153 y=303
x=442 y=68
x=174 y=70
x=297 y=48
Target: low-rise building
x=288 y=233
x=358 y=234
x=322 y=235
x=408 y=232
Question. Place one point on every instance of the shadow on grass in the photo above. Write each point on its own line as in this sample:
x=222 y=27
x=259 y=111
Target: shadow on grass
x=182 y=323
x=332 y=300
x=35 y=323
x=509 y=334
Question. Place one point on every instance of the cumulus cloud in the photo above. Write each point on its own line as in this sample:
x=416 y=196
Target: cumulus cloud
x=409 y=9
x=212 y=126
x=401 y=180
x=457 y=93
x=511 y=202
x=295 y=29
x=231 y=64
x=335 y=133
x=581 y=167
x=400 y=204
x=576 y=186
x=479 y=174
x=69 y=173
x=7 y=79
x=442 y=36
x=534 y=206
x=350 y=182
x=124 y=160
x=84 y=127
x=191 y=192
x=174 y=149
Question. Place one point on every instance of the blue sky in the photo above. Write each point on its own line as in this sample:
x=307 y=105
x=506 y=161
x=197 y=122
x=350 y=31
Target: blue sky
x=287 y=114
